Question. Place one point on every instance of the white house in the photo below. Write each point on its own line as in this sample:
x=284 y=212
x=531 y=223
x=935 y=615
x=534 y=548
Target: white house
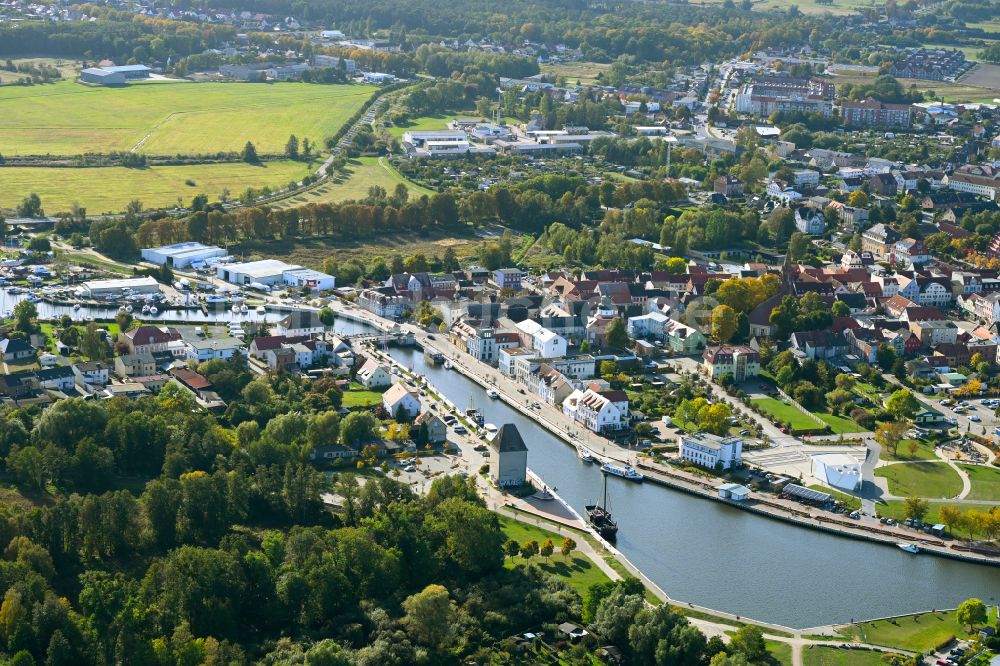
x=397 y=397
x=810 y=221
x=373 y=375
x=547 y=343
x=647 y=326
x=206 y=350
x=599 y=411
x=711 y=451
x=300 y=322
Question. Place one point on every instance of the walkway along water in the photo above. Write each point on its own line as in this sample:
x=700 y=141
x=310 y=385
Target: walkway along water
x=721 y=557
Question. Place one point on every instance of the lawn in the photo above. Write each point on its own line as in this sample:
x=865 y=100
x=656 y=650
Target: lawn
x=897 y=509
x=109 y=189
x=353 y=183
x=849 y=501
x=358 y=396
x=973 y=87
x=840 y=425
x=821 y=655
x=782 y=652
x=923 y=451
x=68 y=118
x=788 y=414
x=914 y=633
x=985 y=482
x=577 y=570
x=580 y=73
x=435 y=122
x=922 y=479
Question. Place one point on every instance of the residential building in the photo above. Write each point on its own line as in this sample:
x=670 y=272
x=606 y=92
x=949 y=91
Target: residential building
x=93 y=372
x=374 y=375
x=135 y=365
x=151 y=339
x=300 y=323
x=400 y=397
x=599 y=411
x=740 y=361
x=810 y=221
x=711 y=451
x=980 y=181
x=911 y=251
x=650 y=325
x=437 y=431
x=728 y=186
x=16 y=349
x=931 y=333
x=213 y=348
x=683 y=339
x=508 y=278
x=879 y=239
x=509 y=457
x=383 y=304
x=873 y=113
x=767 y=95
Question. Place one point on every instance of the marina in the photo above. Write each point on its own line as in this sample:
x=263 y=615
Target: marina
x=701 y=551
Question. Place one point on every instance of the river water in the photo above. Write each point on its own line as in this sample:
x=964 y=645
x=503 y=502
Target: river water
x=723 y=558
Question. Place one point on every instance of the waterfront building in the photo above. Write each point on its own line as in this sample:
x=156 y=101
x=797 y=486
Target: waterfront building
x=711 y=451
x=509 y=457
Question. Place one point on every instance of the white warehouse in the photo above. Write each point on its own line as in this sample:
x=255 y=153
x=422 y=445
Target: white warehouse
x=272 y=272
x=182 y=255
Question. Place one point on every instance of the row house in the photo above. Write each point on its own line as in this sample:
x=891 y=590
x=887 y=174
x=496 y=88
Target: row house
x=476 y=340
x=910 y=251
x=553 y=386
x=383 y=303
x=932 y=333
x=740 y=361
x=879 y=239
x=143 y=339
x=819 y=344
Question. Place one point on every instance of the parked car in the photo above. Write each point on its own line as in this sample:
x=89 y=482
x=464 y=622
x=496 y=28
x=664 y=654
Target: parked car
x=975 y=419
x=460 y=430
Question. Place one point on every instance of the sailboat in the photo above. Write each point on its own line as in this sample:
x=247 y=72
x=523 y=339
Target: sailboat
x=600 y=518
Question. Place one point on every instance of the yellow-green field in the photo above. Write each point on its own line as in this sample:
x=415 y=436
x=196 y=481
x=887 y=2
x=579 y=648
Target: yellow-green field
x=69 y=118
x=581 y=73
x=67 y=67
x=354 y=182
x=976 y=86
x=109 y=189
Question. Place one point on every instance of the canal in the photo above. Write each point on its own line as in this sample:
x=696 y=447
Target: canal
x=724 y=558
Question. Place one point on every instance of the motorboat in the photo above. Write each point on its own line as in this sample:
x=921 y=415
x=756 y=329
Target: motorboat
x=76 y=306
x=261 y=310
x=235 y=309
x=911 y=548
x=128 y=309
x=493 y=393
x=490 y=429
x=145 y=309
x=600 y=518
x=215 y=298
x=585 y=454
x=625 y=471
x=244 y=309
x=153 y=310
x=448 y=365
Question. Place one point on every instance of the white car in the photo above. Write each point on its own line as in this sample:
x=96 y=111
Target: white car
x=975 y=419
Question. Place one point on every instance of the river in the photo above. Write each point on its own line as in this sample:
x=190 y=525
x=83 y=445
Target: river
x=724 y=558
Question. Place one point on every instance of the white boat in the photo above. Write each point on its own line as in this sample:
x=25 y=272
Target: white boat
x=490 y=429
x=153 y=310
x=244 y=309
x=493 y=393
x=624 y=471
x=447 y=365
x=76 y=306
x=585 y=454
x=145 y=309
x=212 y=298
x=235 y=309
x=909 y=547
x=128 y=309
x=261 y=310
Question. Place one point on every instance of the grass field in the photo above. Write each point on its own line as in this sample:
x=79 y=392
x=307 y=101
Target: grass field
x=577 y=570
x=849 y=501
x=839 y=425
x=922 y=479
x=985 y=482
x=820 y=655
x=781 y=652
x=978 y=86
x=579 y=73
x=924 y=451
x=68 y=118
x=788 y=414
x=358 y=396
x=353 y=183
x=915 y=633
x=109 y=189
x=896 y=509
x=68 y=68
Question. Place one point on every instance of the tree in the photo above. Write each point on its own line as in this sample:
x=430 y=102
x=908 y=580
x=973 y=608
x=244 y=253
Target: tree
x=25 y=314
x=890 y=433
x=972 y=612
x=292 y=147
x=323 y=429
x=902 y=404
x=30 y=206
x=798 y=245
x=915 y=508
x=567 y=546
x=885 y=356
x=950 y=517
x=249 y=154
x=512 y=549
x=723 y=323
x=28 y=466
x=615 y=613
x=749 y=640
x=357 y=427
x=529 y=549
x=326 y=316
x=546 y=549
x=840 y=309
x=92 y=343
x=429 y=615
x=616 y=335
x=40 y=243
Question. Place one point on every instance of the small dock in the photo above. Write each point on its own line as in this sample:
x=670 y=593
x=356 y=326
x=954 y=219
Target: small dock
x=433 y=357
